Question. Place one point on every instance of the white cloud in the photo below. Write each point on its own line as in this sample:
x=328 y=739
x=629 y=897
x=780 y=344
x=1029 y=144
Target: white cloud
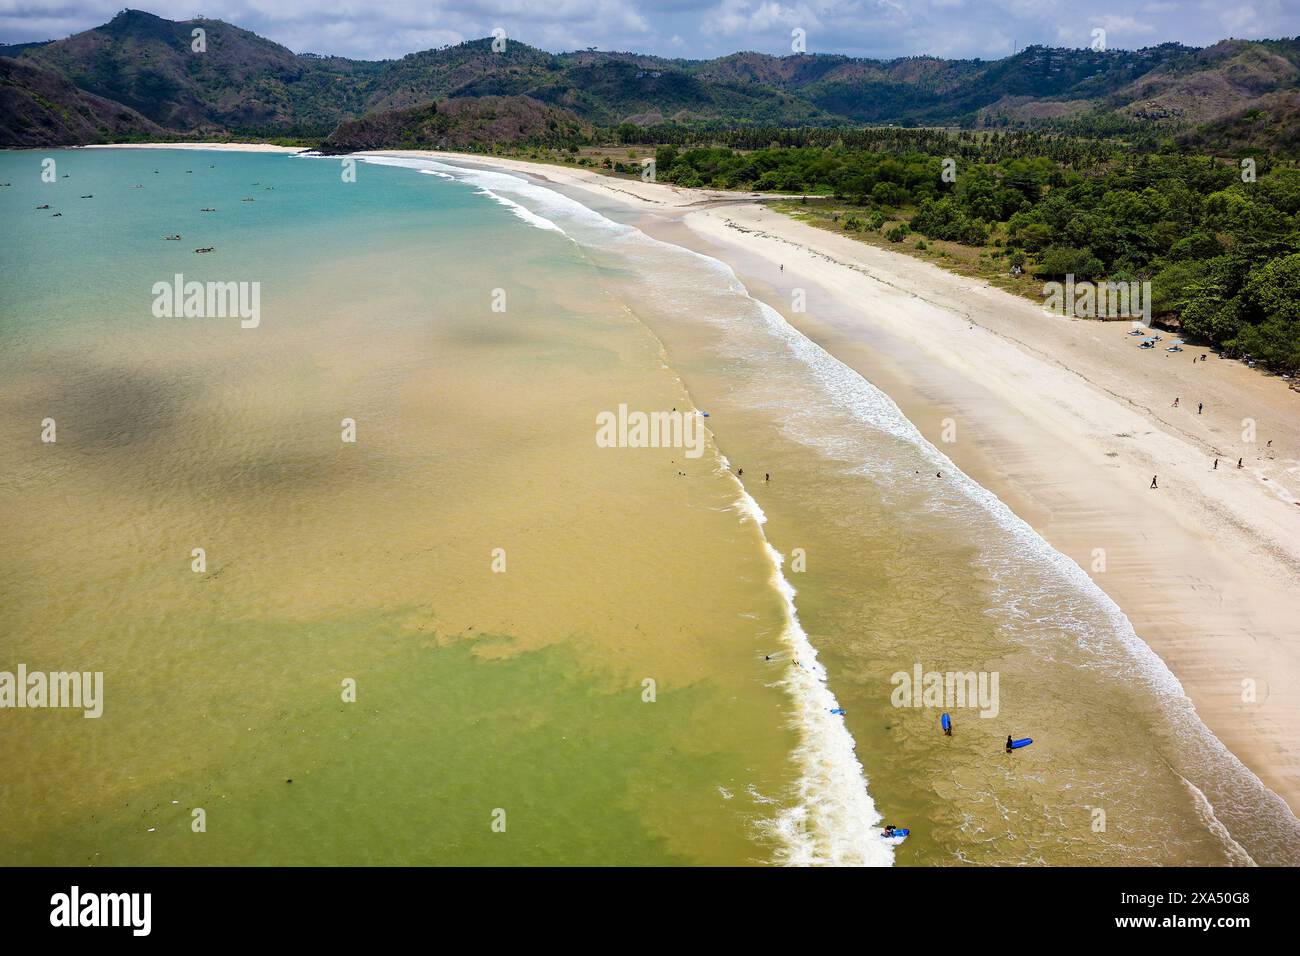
x=877 y=28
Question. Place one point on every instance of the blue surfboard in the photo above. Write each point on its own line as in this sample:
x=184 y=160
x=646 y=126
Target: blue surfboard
x=945 y=722
x=1022 y=742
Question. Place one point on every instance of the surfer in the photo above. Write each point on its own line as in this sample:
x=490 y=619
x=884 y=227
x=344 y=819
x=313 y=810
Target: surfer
x=947 y=727
x=1009 y=740
x=889 y=831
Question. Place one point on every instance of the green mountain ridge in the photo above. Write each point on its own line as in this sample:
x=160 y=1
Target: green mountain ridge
x=244 y=84
x=39 y=107
x=458 y=124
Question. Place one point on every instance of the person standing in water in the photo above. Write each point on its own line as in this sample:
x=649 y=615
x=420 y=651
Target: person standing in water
x=1009 y=748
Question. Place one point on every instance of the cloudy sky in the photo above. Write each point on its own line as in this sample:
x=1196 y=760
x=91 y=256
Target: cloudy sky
x=693 y=28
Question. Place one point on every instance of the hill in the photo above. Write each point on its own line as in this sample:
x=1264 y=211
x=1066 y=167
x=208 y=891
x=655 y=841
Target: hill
x=458 y=124
x=41 y=108
x=244 y=84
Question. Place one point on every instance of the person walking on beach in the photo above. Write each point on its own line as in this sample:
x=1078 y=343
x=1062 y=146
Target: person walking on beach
x=1153 y=482
x=1199 y=406
x=766 y=476
x=1216 y=464
x=1175 y=402
x=1238 y=462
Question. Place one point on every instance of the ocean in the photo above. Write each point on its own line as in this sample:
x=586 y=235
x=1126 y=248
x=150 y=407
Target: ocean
x=436 y=621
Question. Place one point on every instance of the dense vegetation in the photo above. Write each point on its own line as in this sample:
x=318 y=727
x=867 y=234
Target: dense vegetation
x=1222 y=253
x=1070 y=145
x=459 y=124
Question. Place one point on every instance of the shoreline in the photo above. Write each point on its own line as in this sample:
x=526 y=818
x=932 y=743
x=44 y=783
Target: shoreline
x=1067 y=435
x=1064 y=421
x=216 y=147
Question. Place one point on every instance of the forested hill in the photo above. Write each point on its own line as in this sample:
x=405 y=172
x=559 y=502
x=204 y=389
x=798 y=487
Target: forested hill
x=244 y=84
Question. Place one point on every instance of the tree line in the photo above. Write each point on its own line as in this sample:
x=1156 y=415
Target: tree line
x=1219 y=241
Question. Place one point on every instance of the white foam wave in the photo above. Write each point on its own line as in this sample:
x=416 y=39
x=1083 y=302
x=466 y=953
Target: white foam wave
x=433 y=168
x=833 y=820
x=1236 y=852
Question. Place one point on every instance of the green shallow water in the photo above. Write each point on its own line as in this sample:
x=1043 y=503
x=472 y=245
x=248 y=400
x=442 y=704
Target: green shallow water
x=437 y=742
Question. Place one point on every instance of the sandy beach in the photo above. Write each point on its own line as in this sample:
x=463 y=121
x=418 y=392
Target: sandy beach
x=1067 y=422
x=218 y=147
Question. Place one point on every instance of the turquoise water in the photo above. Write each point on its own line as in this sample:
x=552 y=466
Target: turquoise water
x=76 y=269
